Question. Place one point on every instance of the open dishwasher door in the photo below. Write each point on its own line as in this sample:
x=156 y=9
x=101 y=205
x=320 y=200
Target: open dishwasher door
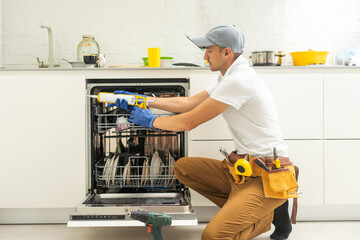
x=131 y=168
x=110 y=210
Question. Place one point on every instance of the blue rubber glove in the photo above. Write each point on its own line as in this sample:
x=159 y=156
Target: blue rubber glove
x=142 y=117
x=123 y=103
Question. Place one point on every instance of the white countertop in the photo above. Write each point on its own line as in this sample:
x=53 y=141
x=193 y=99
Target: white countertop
x=98 y=69
x=173 y=72
x=169 y=68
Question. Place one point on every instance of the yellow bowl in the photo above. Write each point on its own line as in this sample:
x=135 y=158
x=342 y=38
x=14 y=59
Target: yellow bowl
x=309 y=57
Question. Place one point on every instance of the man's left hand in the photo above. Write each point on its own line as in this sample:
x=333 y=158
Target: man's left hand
x=142 y=117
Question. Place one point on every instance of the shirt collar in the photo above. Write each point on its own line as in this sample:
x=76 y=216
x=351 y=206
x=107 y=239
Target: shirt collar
x=240 y=62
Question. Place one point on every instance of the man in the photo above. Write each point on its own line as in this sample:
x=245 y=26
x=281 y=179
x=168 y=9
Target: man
x=247 y=106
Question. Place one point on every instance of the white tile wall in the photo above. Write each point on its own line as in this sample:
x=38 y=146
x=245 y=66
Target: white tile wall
x=125 y=28
x=1 y=34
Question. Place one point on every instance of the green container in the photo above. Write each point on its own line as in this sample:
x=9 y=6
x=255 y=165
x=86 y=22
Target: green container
x=146 y=61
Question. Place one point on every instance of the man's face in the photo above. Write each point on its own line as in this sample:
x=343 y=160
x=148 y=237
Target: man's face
x=215 y=56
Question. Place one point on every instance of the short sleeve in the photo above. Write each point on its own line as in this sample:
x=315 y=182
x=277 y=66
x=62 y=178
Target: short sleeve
x=211 y=89
x=234 y=90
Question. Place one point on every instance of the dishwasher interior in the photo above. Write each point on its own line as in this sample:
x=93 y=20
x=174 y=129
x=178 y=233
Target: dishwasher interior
x=131 y=167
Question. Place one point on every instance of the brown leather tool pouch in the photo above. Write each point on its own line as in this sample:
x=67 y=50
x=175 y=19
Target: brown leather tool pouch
x=280 y=183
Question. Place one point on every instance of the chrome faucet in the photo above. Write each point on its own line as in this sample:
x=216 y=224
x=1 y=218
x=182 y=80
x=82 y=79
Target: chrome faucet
x=51 y=59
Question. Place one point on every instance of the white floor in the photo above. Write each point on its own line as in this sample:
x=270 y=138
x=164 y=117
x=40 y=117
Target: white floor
x=301 y=231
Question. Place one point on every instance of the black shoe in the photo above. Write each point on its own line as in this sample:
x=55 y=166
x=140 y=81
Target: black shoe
x=281 y=222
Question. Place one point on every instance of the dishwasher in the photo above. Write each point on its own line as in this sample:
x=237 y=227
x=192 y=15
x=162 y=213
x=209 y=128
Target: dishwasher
x=131 y=168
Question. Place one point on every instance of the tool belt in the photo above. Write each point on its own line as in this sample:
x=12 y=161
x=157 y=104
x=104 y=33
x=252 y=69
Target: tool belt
x=278 y=183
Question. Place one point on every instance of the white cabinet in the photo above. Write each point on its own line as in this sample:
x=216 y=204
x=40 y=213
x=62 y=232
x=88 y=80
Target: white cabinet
x=42 y=144
x=200 y=82
x=308 y=156
x=209 y=149
x=299 y=100
x=216 y=128
x=342 y=111
x=342 y=172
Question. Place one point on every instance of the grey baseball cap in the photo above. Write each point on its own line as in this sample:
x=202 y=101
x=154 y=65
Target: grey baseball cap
x=224 y=36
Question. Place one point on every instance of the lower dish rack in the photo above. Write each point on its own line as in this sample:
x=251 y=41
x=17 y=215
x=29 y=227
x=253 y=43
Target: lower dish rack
x=117 y=171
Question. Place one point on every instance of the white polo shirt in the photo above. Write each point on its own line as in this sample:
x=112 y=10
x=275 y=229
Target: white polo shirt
x=251 y=116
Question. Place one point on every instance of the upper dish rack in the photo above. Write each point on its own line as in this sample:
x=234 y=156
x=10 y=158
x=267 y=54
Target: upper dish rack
x=118 y=121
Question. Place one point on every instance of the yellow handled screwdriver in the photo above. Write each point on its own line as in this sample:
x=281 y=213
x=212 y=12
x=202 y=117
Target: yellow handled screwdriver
x=276 y=158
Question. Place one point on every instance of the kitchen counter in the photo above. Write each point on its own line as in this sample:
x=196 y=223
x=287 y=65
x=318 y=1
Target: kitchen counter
x=174 y=68
x=112 y=73
x=100 y=69
x=174 y=72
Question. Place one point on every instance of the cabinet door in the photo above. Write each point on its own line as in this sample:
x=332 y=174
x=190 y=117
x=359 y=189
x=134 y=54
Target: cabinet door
x=42 y=144
x=299 y=100
x=216 y=128
x=342 y=172
x=308 y=156
x=209 y=149
x=341 y=105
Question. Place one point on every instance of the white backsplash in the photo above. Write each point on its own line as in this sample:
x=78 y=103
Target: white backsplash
x=125 y=28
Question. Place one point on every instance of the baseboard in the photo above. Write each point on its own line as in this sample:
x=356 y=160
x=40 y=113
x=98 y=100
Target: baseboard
x=35 y=215
x=328 y=212
x=204 y=214
x=305 y=212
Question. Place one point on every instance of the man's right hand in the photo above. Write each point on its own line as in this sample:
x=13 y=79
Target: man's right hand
x=123 y=103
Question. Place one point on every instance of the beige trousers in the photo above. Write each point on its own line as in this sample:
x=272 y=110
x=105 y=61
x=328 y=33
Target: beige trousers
x=245 y=212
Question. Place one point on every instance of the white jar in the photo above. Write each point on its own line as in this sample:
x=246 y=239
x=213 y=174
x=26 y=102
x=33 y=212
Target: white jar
x=87 y=46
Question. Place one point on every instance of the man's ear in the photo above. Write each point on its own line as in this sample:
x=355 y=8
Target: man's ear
x=227 y=51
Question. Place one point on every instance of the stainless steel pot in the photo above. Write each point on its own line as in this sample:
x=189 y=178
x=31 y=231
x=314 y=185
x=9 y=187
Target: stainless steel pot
x=267 y=58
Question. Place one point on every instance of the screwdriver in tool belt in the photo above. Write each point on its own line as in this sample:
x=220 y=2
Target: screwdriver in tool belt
x=261 y=164
x=276 y=158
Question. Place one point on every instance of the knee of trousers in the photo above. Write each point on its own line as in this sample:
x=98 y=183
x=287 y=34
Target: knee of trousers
x=210 y=233
x=180 y=168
